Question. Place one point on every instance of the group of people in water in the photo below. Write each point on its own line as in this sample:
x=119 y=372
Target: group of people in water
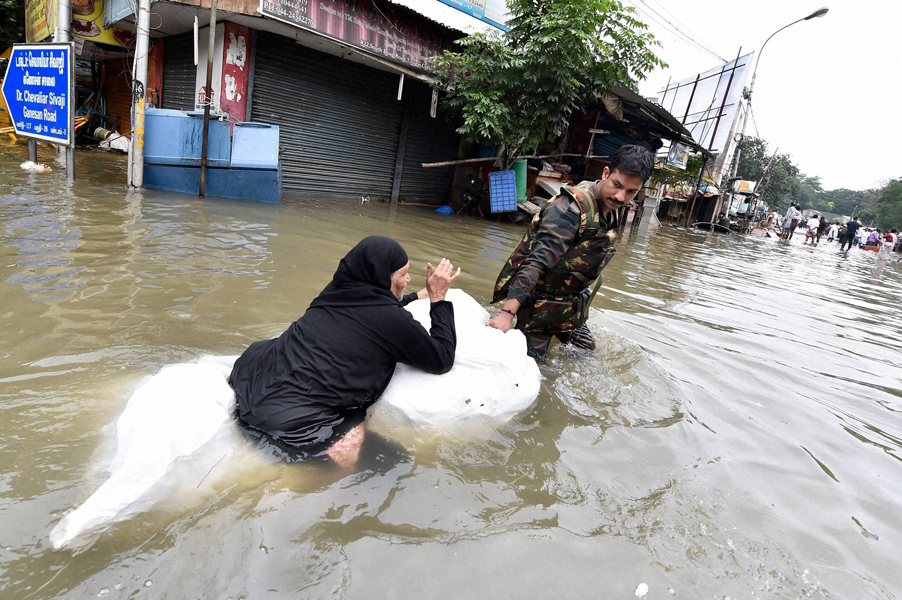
x=307 y=391
x=850 y=234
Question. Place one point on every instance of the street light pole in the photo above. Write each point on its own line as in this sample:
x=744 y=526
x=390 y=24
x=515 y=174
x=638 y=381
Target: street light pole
x=748 y=94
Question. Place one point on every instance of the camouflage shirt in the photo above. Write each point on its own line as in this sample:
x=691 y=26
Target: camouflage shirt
x=557 y=232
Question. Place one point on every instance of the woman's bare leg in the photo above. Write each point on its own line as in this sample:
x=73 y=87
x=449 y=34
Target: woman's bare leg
x=345 y=451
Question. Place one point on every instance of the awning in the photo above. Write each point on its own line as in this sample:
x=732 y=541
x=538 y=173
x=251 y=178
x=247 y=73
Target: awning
x=678 y=131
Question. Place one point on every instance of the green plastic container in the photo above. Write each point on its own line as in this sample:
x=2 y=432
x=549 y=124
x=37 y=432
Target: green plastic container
x=519 y=168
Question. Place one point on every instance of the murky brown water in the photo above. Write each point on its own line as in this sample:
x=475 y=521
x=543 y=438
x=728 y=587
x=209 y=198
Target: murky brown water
x=738 y=435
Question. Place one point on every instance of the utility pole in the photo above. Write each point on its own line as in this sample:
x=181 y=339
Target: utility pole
x=64 y=34
x=208 y=99
x=142 y=50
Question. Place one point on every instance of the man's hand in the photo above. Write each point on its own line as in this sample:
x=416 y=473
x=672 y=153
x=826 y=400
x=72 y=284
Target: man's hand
x=504 y=320
x=439 y=279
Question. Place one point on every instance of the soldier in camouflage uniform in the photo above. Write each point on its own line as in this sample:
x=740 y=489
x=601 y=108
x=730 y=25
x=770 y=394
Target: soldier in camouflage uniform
x=547 y=279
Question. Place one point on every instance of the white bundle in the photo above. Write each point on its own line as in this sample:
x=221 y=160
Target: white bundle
x=178 y=411
x=492 y=376
x=171 y=416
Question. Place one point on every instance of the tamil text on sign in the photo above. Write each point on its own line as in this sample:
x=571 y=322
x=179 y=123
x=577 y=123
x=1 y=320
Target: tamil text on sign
x=38 y=89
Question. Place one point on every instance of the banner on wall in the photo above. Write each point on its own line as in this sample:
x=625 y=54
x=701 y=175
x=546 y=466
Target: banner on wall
x=678 y=156
x=493 y=12
x=87 y=23
x=39 y=19
x=382 y=32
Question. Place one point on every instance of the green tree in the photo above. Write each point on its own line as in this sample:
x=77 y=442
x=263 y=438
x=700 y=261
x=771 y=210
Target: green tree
x=520 y=87
x=782 y=185
x=12 y=23
x=846 y=201
x=809 y=188
x=867 y=216
x=889 y=206
x=676 y=176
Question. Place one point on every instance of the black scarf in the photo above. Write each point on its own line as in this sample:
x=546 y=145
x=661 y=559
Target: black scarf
x=363 y=277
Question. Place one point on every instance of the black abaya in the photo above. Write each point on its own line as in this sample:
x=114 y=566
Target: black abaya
x=310 y=385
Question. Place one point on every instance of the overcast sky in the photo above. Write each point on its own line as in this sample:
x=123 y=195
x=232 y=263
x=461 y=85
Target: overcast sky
x=828 y=91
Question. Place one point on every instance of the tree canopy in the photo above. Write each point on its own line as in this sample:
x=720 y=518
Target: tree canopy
x=12 y=23
x=889 y=206
x=781 y=185
x=676 y=177
x=788 y=184
x=520 y=87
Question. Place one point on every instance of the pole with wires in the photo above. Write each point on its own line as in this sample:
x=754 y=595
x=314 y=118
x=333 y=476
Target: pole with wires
x=142 y=50
x=747 y=94
x=208 y=99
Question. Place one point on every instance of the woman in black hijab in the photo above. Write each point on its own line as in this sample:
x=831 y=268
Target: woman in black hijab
x=311 y=386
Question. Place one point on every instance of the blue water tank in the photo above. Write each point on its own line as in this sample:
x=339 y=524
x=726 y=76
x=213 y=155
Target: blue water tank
x=255 y=146
x=175 y=137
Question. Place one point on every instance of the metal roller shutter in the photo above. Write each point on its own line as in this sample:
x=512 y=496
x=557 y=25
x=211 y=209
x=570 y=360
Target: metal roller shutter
x=428 y=140
x=339 y=121
x=179 y=72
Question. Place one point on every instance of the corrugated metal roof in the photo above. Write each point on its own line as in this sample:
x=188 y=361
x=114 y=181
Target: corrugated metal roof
x=446 y=15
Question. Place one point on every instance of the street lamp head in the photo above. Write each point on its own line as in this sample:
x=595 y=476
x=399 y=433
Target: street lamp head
x=818 y=13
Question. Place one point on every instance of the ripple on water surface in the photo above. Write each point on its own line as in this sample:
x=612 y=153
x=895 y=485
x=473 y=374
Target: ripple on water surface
x=737 y=434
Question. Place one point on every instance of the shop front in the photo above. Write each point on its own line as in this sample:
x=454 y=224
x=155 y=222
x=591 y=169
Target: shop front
x=346 y=83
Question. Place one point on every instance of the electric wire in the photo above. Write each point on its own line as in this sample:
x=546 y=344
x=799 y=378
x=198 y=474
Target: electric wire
x=685 y=27
x=754 y=121
x=679 y=36
x=679 y=32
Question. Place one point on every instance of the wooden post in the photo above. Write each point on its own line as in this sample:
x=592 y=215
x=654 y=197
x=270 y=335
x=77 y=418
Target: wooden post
x=698 y=182
x=399 y=158
x=208 y=96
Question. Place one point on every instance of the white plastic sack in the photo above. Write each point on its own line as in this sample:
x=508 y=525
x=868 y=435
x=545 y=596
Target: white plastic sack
x=170 y=417
x=178 y=411
x=492 y=376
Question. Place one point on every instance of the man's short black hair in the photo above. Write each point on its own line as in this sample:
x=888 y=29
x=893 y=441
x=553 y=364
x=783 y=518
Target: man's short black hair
x=635 y=161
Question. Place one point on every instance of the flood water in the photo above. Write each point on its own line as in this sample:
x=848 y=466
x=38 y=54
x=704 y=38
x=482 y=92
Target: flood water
x=737 y=434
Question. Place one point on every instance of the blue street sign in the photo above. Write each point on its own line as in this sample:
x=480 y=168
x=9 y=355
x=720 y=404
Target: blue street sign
x=39 y=90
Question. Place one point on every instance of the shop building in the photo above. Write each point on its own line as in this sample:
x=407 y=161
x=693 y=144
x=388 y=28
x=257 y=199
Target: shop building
x=346 y=81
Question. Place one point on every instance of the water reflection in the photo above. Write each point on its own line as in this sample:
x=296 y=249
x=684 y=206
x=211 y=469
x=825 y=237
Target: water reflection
x=738 y=433
x=40 y=230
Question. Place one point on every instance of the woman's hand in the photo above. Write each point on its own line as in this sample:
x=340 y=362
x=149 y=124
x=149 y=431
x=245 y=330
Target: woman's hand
x=439 y=279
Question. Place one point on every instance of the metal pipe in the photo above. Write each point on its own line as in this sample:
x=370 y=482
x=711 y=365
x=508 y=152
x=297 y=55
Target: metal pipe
x=698 y=182
x=63 y=34
x=142 y=49
x=725 y=96
x=691 y=98
x=208 y=99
